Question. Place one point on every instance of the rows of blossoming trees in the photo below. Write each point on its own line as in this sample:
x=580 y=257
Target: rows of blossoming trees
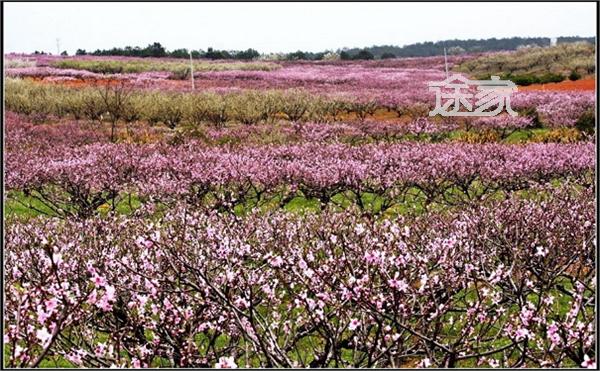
x=301 y=215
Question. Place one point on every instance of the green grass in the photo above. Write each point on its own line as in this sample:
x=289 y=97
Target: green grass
x=18 y=205
x=15 y=206
x=302 y=204
x=523 y=135
x=54 y=361
x=414 y=202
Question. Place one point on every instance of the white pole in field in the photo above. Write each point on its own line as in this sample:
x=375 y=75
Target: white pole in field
x=446 y=62
x=192 y=69
x=57 y=46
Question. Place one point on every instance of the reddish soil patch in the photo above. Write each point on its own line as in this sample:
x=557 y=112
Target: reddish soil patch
x=567 y=85
x=379 y=115
x=76 y=83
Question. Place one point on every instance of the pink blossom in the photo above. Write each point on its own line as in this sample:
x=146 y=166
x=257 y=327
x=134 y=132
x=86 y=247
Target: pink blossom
x=42 y=315
x=426 y=362
x=99 y=281
x=136 y=362
x=276 y=261
x=494 y=363
x=588 y=362
x=541 y=251
x=74 y=357
x=44 y=336
x=400 y=285
x=354 y=324
x=57 y=258
x=522 y=333
x=242 y=303
x=100 y=349
x=226 y=362
x=92 y=298
x=109 y=292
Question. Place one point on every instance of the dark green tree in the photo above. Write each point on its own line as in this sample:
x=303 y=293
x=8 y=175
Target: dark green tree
x=364 y=55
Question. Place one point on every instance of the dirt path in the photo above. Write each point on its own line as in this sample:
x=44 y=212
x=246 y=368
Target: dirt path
x=588 y=84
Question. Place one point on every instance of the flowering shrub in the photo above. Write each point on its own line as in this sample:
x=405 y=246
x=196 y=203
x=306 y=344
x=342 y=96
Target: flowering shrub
x=556 y=108
x=22 y=135
x=302 y=93
x=535 y=62
x=33 y=71
x=329 y=289
x=135 y=65
x=305 y=214
x=504 y=125
x=10 y=63
x=78 y=180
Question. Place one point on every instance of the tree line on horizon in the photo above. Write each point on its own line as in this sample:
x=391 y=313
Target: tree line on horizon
x=424 y=49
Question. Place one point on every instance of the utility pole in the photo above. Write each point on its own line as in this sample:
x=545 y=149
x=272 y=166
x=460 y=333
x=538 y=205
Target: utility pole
x=57 y=46
x=192 y=70
x=446 y=62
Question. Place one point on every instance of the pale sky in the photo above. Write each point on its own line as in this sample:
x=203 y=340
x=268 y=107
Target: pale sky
x=281 y=27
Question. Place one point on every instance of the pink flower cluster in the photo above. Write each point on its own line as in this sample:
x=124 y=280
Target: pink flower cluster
x=95 y=174
x=556 y=109
x=277 y=285
x=415 y=250
x=394 y=85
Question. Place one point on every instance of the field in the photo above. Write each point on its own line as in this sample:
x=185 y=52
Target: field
x=535 y=64
x=296 y=214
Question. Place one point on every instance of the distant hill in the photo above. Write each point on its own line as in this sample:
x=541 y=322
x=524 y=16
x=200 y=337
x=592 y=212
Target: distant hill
x=535 y=65
x=428 y=49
